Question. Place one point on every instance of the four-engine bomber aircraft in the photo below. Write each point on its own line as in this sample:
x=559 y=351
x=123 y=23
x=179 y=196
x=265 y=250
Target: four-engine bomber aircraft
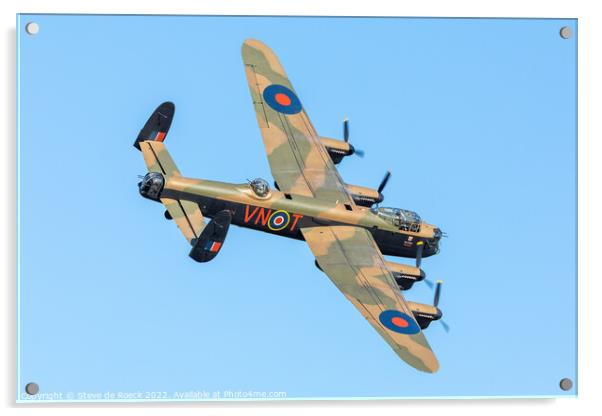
x=311 y=202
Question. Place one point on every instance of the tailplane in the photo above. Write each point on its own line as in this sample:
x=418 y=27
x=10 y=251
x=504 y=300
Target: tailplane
x=161 y=167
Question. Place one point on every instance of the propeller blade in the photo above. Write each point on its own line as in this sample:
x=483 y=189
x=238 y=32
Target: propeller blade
x=445 y=325
x=437 y=293
x=354 y=151
x=383 y=183
x=429 y=283
x=419 y=253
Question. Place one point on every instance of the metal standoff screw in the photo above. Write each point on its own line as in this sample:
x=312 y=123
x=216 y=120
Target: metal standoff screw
x=566 y=384
x=32 y=28
x=565 y=32
x=32 y=389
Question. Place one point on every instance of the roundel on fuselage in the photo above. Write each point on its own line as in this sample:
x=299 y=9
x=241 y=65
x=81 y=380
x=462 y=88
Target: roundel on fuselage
x=278 y=220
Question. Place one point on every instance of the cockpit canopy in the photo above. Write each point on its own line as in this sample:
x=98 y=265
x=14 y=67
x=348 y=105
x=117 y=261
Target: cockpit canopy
x=402 y=218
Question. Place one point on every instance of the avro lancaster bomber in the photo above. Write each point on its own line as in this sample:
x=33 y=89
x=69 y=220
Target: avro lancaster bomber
x=344 y=226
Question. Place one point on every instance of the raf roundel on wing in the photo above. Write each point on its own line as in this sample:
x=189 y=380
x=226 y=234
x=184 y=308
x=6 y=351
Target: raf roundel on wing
x=398 y=321
x=282 y=99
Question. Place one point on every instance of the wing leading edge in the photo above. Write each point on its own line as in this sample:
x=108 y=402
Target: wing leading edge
x=351 y=259
x=298 y=160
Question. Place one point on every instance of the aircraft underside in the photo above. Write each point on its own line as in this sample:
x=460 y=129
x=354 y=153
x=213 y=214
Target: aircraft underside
x=345 y=228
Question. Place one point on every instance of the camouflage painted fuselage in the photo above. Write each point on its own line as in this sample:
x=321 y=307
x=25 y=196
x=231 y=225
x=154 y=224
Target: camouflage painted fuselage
x=284 y=214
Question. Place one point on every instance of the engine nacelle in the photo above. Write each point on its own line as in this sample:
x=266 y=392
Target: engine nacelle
x=337 y=149
x=405 y=275
x=364 y=196
x=425 y=314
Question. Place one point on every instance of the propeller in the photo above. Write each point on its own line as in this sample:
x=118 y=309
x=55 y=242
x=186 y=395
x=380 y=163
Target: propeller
x=355 y=151
x=436 y=303
x=383 y=183
x=437 y=293
x=381 y=186
x=444 y=324
x=419 y=249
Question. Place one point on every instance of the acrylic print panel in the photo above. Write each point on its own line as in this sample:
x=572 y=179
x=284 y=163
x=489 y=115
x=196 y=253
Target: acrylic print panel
x=475 y=118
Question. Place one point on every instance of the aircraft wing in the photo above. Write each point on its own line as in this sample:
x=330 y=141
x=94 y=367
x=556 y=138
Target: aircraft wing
x=351 y=259
x=299 y=162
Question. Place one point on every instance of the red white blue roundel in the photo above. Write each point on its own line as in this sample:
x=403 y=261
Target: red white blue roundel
x=398 y=321
x=278 y=220
x=282 y=99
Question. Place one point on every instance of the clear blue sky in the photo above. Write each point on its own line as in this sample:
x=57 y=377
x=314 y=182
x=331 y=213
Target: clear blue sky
x=475 y=118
